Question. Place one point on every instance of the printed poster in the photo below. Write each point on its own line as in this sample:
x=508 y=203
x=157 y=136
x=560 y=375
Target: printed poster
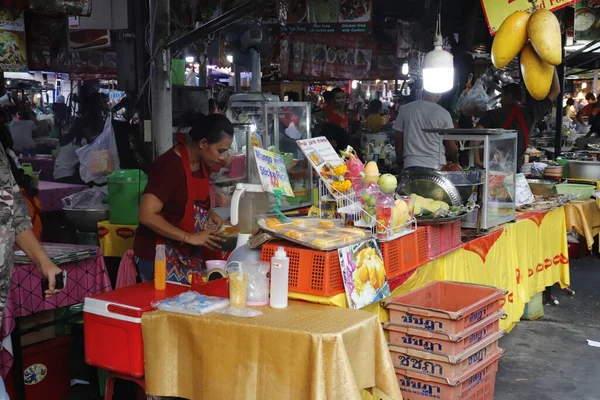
x=272 y=171
x=327 y=16
x=523 y=191
x=13 y=53
x=364 y=276
x=496 y=11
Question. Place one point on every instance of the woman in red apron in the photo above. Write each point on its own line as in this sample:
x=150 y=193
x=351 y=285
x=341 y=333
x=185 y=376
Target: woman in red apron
x=175 y=208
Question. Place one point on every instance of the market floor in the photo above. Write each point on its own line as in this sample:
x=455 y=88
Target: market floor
x=550 y=359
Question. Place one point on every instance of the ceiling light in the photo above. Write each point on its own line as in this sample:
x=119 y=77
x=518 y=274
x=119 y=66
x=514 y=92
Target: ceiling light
x=405 y=68
x=229 y=58
x=190 y=59
x=438 y=65
x=354 y=84
x=584 y=85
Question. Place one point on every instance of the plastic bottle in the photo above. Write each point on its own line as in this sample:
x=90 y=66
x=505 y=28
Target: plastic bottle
x=280 y=268
x=160 y=268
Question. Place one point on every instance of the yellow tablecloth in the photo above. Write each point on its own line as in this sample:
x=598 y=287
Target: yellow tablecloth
x=583 y=217
x=306 y=351
x=115 y=240
x=522 y=258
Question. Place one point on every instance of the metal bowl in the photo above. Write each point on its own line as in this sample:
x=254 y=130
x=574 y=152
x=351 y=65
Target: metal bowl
x=430 y=184
x=85 y=220
x=584 y=170
x=541 y=187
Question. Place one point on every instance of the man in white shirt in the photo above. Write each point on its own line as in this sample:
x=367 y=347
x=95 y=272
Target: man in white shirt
x=416 y=149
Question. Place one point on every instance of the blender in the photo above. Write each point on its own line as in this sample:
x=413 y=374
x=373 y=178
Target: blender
x=248 y=201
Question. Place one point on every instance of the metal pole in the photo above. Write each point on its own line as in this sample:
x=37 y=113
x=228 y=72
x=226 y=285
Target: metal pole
x=559 y=104
x=256 y=78
x=160 y=79
x=237 y=78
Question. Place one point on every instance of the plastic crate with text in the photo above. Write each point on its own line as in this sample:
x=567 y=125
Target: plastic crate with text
x=404 y=253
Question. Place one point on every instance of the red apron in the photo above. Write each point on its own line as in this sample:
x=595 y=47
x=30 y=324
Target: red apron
x=516 y=113
x=183 y=259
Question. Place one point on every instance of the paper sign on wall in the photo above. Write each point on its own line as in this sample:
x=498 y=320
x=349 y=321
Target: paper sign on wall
x=272 y=171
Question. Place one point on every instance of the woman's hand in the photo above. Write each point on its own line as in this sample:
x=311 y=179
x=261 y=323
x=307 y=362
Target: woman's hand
x=50 y=270
x=208 y=239
x=214 y=219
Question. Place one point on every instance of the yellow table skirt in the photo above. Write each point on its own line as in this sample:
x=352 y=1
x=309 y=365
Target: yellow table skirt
x=115 y=240
x=584 y=218
x=523 y=258
x=306 y=351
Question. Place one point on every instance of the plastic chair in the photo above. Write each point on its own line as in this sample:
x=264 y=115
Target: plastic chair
x=110 y=384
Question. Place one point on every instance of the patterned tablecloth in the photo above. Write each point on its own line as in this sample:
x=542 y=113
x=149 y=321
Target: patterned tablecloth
x=52 y=193
x=44 y=163
x=85 y=278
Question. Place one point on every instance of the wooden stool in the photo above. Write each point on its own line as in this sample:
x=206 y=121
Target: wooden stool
x=110 y=384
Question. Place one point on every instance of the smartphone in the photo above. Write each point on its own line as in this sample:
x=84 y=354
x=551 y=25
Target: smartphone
x=61 y=282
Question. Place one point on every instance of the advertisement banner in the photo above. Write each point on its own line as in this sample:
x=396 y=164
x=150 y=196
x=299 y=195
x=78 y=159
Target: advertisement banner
x=13 y=53
x=496 y=11
x=587 y=20
x=273 y=173
x=327 y=16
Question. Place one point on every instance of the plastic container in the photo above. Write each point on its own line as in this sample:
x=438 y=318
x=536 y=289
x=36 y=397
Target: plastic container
x=258 y=283
x=446 y=307
x=449 y=344
x=477 y=383
x=583 y=192
x=280 y=268
x=125 y=189
x=442 y=239
x=445 y=366
x=238 y=285
x=215 y=264
x=314 y=272
x=177 y=71
x=160 y=268
x=404 y=253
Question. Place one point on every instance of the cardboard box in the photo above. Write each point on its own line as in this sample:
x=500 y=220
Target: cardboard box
x=40 y=335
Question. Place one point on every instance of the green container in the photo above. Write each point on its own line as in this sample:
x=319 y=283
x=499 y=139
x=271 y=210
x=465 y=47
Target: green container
x=565 y=164
x=177 y=71
x=534 y=309
x=125 y=189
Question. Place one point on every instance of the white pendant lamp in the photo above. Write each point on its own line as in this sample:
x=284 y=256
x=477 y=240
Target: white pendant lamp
x=438 y=65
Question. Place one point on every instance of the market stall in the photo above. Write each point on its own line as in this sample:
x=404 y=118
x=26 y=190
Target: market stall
x=43 y=164
x=51 y=194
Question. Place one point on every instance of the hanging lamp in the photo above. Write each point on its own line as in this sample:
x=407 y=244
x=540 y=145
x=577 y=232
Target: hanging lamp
x=438 y=64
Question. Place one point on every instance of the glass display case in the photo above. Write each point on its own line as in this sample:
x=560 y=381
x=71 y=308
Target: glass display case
x=262 y=120
x=497 y=150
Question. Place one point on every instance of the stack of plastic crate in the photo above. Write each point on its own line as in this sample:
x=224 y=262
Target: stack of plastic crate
x=443 y=339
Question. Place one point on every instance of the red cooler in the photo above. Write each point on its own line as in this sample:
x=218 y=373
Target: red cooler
x=112 y=326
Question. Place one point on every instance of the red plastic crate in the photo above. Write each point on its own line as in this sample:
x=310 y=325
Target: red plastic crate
x=478 y=383
x=443 y=238
x=445 y=366
x=404 y=253
x=312 y=272
x=442 y=343
x=445 y=307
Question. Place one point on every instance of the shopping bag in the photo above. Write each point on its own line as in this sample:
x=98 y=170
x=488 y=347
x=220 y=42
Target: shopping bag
x=101 y=157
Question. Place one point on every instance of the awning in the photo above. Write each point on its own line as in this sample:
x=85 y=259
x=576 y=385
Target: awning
x=13 y=3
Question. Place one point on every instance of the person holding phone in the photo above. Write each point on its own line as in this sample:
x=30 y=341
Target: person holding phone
x=175 y=208
x=16 y=228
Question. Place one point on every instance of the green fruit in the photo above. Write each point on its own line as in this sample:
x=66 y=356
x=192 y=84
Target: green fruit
x=372 y=202
x=366 y=197
x=372 y=211
x=367 y=218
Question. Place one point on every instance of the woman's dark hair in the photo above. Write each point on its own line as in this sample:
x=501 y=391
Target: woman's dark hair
x=375 y=106
x=211 y=127
x=328 y=97
x=570 y=101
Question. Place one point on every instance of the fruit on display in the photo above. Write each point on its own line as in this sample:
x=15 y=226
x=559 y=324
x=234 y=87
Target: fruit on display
x=371 y=172
x=543 y=30
x=387 y=183
x=537 y=73
x=510 y=38
x=401 y=214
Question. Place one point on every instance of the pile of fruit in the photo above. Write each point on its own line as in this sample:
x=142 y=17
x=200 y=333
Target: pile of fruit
x=426 y=208
x=536 y=35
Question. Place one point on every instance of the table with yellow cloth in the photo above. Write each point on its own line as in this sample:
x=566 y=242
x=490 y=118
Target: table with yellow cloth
x=583 y=217
x=522 y=258
x=305 y=351
x=115 y=239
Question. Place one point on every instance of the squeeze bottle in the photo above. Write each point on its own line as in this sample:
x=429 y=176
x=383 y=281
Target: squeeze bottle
x=160 y=268
x=280 y=264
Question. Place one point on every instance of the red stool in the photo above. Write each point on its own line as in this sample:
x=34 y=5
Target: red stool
x=110 y=384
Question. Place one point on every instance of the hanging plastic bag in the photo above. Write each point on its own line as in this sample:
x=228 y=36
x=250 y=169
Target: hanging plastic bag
x=474 y=101
x=89 y=199
x=100 y=158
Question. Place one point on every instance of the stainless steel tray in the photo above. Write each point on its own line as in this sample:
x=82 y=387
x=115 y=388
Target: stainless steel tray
x=432 y=185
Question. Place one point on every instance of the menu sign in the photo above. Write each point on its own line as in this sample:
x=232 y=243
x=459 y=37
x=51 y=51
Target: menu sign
x=13 y=54
x=327 y=16
x=496 y=11
x=272 y=171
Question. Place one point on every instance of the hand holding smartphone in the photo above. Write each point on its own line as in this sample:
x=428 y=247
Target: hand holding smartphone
x=61 y=280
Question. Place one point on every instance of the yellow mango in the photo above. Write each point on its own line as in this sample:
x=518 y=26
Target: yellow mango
x=510 y=38
x=537 y=74
x=363 y=274
x=543 y=30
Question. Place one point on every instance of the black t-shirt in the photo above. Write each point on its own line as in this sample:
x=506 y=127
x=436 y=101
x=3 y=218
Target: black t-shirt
x=533 y=112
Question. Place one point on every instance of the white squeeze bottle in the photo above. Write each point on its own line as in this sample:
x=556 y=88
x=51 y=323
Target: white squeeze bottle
x=280 y=268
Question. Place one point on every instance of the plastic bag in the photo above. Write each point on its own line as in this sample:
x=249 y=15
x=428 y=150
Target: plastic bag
x=89 y=199
x=473 y=101
x=192 y=303
x=104 y=148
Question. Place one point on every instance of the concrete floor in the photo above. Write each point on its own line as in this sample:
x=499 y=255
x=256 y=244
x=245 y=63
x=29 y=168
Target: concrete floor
x=549 y=359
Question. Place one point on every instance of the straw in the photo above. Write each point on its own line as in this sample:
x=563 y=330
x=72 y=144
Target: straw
x=278 y=193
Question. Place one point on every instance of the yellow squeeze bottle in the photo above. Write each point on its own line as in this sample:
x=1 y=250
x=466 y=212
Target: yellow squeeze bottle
x=160 y=268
